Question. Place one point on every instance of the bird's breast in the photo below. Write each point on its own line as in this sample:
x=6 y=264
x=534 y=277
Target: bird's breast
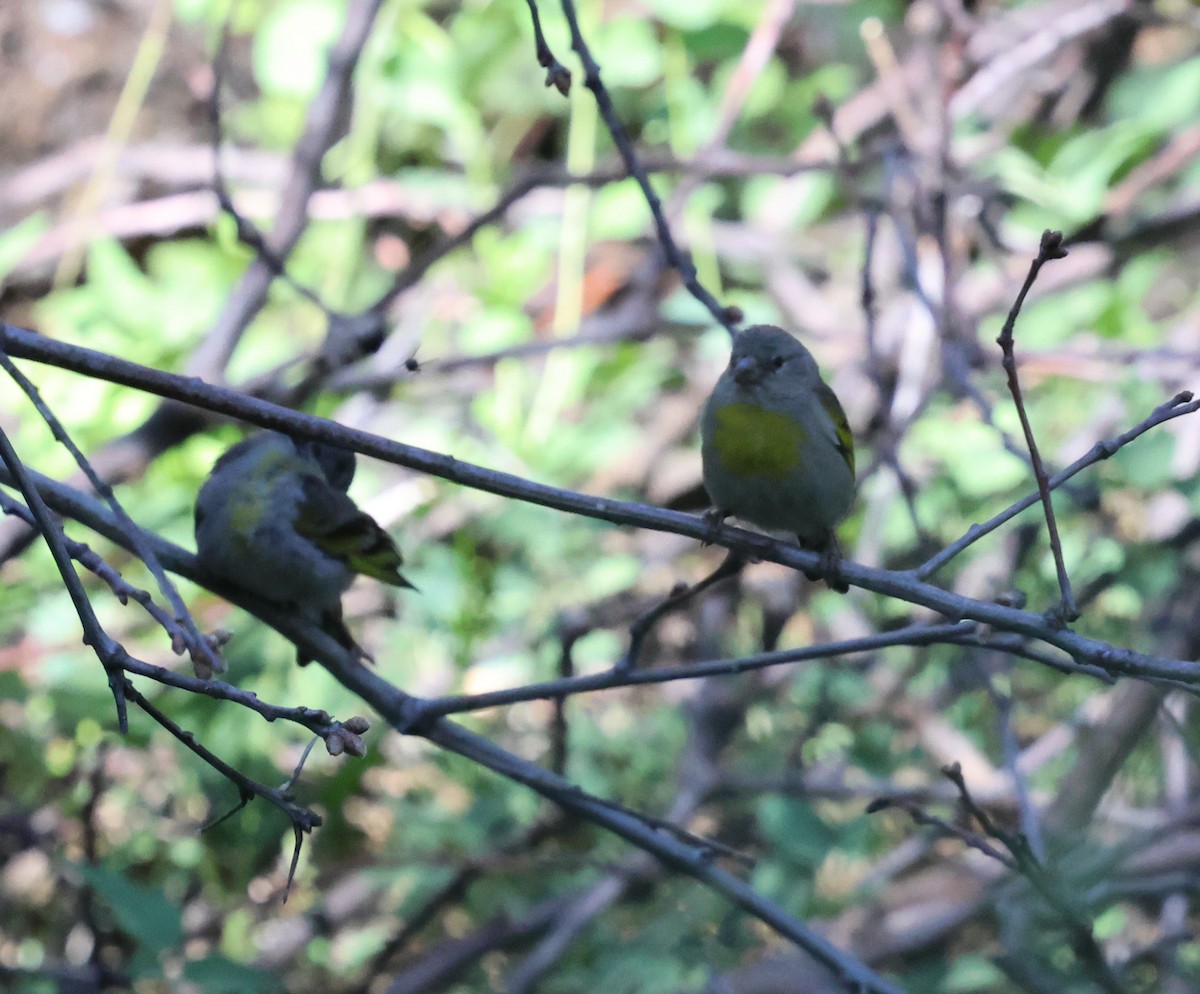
x=750 y=440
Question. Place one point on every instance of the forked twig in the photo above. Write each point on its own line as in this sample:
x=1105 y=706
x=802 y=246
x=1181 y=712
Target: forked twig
x=1182 y=403
x=1051 y=248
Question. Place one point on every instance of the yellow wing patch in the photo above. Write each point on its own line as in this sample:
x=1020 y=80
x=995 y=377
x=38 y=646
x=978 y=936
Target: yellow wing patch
x=750 y=441
x=833 y=407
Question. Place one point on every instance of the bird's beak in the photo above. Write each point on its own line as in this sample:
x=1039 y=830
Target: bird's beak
x=747 y=372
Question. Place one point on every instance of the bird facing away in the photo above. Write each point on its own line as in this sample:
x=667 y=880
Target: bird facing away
x=274 y=518
x=775 y=444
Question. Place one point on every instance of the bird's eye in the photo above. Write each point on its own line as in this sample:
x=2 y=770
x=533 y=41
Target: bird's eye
x=777 y=362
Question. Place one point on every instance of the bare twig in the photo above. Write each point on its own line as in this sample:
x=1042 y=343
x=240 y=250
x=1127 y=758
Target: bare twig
x=320 y=132
x=923 y=817
x=204 y=657
x=1044 y=881
x=1182 y=403
x=680 y=260
x=106 y=648
x=616 y=678
x=905 y=585
x=397 y=709
x=731 y=565
x=303 y=819
x=557 y=75
x=339 y=736
x=1050 y=249
x=248 y=233
x=1031 y=826
x=94 y=564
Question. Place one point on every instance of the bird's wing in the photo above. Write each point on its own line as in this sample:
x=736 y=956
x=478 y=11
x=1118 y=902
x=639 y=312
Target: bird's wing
x=833 y=407
x=334 y=524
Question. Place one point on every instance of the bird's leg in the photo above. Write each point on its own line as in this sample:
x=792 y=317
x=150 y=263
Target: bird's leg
x=830 y=568
x=332 y=624
x=713 y=518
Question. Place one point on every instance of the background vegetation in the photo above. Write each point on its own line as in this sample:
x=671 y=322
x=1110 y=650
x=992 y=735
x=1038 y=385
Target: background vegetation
x=873 y=175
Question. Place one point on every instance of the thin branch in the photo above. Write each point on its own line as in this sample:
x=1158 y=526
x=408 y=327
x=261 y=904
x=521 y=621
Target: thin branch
x=453 y=890
x=1031 y=826
x=922 y=817
x=731 y=565
x=693 y=861
x=1015 y=645
x=867 y=296
x=415 y=271
x=339 y=736
x=303 y=819
x=248 y=233
x=1182 y=403
x=204 y=657
x=557 y=75
x=90 y=560
x=1049 y=250
x=321 y=130
x=904 y=585
x=680 y=260
x=1041 y=878
x=94 y=635
x=401 y=711
x=907 y=586
x=617 y=678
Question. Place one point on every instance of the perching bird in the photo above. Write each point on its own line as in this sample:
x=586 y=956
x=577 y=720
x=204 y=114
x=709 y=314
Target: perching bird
x=273 y=518
x=776 y=447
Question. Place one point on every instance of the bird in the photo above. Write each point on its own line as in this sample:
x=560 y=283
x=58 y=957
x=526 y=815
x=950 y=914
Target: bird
x=274 y=518
x=776 y=448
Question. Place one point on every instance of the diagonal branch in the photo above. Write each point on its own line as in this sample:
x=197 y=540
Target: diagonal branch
x=680 y=260
x=1182 y=403
x=1049 y=250
x=907 y=585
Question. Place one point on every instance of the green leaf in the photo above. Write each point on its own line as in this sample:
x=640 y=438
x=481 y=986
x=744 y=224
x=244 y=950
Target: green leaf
x=143 y=914
x=218 y=975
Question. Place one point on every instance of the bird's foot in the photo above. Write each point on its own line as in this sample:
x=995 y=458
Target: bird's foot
x=830 y=567
x=712 y=519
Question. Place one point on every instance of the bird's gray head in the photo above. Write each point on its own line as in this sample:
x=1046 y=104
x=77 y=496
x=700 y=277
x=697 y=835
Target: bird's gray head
x=763 y=354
